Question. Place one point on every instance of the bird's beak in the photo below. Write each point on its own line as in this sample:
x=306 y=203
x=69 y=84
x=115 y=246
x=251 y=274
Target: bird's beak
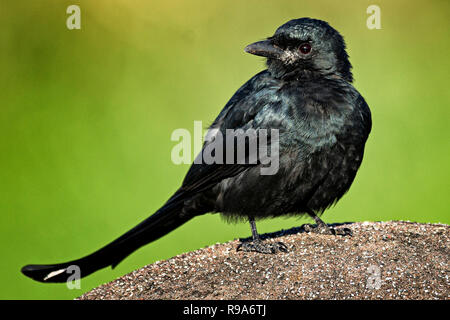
x=264 y=48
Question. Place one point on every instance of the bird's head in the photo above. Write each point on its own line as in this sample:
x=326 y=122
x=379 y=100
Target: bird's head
x=304 y=48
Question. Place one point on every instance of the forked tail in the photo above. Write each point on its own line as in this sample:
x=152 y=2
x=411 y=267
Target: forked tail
x=166 y=219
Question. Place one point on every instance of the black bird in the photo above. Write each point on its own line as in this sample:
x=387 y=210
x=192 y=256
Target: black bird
x=306 y=94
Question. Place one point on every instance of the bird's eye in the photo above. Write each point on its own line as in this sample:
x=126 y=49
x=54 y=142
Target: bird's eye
x=305 y=48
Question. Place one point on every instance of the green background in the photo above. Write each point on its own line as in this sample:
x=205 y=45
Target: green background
x=86 y=118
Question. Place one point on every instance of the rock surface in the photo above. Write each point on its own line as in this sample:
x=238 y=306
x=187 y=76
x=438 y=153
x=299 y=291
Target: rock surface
x=382 y=260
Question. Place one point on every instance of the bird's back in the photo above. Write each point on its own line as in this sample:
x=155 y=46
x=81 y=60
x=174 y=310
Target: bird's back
x=323 y=126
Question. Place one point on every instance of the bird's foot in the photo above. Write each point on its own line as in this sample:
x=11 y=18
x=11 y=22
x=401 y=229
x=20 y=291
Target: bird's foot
x=325 y=229
x=262 y=247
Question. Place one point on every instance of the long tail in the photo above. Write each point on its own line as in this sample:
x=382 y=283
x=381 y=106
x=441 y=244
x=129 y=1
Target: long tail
x=166 y=219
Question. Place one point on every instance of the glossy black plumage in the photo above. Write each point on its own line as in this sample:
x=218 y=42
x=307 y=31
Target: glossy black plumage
x=323 y=125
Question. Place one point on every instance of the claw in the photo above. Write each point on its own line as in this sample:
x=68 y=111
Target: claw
x=262 y=247
x=325 y=229
x=343 y=232
x=282 y=247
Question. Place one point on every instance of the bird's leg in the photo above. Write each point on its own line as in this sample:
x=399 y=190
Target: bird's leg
x=257 y=245
x=323 y=228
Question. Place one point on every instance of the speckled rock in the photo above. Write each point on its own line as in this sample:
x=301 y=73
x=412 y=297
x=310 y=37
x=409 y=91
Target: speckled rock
x=382 y=260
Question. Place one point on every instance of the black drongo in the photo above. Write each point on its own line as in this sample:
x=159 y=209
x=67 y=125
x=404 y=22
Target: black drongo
x=322 y=121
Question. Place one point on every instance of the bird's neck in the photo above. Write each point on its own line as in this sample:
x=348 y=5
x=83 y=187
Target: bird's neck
x=306 y=73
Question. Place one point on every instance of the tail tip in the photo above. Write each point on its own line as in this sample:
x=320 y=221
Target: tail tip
x=43 y=273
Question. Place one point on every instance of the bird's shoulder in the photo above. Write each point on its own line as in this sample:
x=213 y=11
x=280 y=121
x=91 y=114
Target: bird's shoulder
x=357 y=111
x=260 y=92
x=268 y=102
x=239 y=113
x=328 y=97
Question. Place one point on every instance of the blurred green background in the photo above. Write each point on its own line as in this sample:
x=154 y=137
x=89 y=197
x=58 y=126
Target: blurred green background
x=86 y=118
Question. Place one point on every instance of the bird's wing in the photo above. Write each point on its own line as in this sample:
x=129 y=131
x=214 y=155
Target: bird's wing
x=243 y=111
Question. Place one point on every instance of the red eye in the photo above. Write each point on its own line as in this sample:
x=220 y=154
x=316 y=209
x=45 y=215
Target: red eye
x=305 y=48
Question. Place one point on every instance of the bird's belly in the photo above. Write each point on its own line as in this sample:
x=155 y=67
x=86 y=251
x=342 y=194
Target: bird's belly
x=302 y=183
x=342 y=163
